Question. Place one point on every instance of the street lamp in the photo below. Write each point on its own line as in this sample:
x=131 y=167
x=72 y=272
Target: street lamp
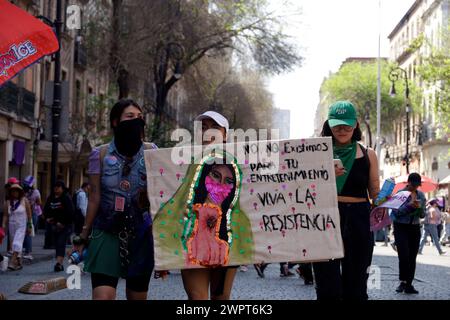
x=56 y=106
x=394 y=75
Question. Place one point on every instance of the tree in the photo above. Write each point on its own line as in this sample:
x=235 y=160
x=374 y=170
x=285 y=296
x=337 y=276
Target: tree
x=219 y=86
x=147 y=36
x=357 y=82
x=86 y=130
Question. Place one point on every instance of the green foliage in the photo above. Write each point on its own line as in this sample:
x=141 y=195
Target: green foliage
x=219 y=87
x=416 y=44
x=134 y=36
x=253 y=31
x=357 y=82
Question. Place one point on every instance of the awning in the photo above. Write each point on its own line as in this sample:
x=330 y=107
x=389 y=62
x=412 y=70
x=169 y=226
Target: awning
x=445 y=181
x=23 y=40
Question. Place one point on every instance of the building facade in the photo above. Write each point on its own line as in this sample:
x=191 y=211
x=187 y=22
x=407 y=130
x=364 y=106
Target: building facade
x=282 y=121
x=19 y=110
x=25 y=110
x=429 y=144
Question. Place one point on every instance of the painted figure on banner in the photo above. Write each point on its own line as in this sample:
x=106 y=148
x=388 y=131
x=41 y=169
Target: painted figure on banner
x=212 y=227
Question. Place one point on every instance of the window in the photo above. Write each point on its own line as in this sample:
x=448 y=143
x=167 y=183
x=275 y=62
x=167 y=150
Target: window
x=48 y=69
x=434 y=164
x=63 y=75
x=77 y=96
x=89 y=99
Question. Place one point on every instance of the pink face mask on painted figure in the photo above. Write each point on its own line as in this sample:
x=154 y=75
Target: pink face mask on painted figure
x=218 y=192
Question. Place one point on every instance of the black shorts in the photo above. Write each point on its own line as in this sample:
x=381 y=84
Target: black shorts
x=137 y=283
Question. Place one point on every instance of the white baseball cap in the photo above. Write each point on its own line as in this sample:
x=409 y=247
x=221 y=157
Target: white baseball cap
x=217 y=117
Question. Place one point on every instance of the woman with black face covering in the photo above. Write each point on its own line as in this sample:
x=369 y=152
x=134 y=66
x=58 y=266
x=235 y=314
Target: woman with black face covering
x=118 y=223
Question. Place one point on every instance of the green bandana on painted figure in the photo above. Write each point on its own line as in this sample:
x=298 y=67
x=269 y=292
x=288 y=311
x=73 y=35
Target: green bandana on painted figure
x=174 y=222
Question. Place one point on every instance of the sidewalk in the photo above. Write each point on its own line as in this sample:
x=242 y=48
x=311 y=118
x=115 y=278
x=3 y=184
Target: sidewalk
x=39 y=253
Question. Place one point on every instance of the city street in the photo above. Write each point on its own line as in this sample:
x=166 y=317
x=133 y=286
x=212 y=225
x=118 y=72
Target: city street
x=432 y=281
x=220 y=133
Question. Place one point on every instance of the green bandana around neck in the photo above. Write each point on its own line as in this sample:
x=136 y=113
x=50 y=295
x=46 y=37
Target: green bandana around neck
x=347 y=154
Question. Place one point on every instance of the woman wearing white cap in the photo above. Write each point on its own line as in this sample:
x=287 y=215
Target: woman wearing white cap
x=218 y=280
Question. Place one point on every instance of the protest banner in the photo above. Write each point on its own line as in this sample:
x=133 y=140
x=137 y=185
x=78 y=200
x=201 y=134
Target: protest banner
x=243 y=203
x=379 y=216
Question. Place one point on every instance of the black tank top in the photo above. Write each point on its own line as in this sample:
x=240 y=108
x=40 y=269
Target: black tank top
x=357 y=181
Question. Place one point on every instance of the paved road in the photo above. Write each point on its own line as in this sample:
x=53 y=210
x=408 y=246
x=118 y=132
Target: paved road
x=432 y=280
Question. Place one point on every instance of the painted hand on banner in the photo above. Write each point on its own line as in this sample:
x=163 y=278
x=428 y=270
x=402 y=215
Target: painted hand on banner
x=205 y=247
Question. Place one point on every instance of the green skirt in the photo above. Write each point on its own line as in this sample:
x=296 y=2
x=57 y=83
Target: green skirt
x=103 y=255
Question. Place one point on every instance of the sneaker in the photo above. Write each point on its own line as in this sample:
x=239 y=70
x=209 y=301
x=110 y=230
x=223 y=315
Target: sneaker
x=286 y=272
x=243 y=268
x=409 y=289
x=58 y=267
x=27 y=256
x=259 y=269
x=305 y=280
x=9 y=254
x=401 y=287
x=442 y=252
x=14 y=265
x=308 y=282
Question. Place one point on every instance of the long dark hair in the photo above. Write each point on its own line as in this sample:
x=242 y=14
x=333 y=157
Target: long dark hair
x=117 y=110
x=201 y=194
x=326 y=132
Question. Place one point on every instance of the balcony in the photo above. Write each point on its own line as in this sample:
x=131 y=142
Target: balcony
x=28 y=104
x=17 y=100
x=9 y=97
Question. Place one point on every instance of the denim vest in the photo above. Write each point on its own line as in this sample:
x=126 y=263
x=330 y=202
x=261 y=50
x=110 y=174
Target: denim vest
x=115 y=188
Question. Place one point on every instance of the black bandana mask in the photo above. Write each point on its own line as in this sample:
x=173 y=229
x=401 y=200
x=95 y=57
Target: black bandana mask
x=128 y=136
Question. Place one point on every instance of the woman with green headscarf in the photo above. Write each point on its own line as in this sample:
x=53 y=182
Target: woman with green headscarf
x=357 y=182
x=202 y=226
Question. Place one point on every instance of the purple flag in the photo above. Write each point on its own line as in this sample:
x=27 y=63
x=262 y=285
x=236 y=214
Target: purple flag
x=19 y=152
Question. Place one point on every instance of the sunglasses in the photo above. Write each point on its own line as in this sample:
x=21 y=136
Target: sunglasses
x=126 y=169
x=342 y=128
